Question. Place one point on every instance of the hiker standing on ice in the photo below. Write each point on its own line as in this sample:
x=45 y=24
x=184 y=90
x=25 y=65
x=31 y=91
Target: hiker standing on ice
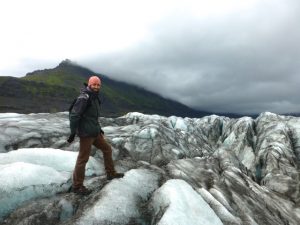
x=83 y=116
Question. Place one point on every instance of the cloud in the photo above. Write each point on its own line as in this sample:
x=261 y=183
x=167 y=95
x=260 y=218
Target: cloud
x=238 y=56
x=244 y=62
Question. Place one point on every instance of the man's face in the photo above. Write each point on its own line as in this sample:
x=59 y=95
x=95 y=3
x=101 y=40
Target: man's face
x=95 y=87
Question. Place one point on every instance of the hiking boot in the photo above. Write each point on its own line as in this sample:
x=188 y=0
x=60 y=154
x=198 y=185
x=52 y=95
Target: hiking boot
x=114 y=175
x=82 y=191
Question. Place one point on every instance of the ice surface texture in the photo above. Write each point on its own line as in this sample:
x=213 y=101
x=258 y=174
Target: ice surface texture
x=209 y=170
x=31 y=173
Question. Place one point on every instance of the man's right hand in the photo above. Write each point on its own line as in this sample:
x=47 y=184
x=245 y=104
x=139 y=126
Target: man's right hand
x=71 y=138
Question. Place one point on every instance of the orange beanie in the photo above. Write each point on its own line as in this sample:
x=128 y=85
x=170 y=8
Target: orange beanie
x=94 y=80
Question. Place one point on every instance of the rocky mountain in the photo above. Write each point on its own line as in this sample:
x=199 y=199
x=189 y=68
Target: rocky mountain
x=53 y=90
x=209 y=170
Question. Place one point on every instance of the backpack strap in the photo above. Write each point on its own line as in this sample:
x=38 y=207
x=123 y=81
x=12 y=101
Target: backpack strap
x=89 y=101
x=85 y=96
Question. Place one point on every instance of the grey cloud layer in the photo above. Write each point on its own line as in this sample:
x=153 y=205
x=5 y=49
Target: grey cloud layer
x=243 y=63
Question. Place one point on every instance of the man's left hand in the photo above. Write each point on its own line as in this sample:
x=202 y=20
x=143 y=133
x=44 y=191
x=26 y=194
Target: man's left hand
x=71 y=138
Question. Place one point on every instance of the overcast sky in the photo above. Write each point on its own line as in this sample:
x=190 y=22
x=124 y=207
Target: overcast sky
x=240 y=56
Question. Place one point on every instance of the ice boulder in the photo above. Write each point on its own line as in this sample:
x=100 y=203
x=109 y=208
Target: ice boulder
x=33 y=173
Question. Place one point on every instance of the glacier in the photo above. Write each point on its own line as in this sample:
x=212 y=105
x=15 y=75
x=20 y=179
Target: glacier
x=210 y=170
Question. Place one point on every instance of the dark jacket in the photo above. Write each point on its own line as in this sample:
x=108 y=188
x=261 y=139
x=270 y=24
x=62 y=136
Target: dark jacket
x=84 y=114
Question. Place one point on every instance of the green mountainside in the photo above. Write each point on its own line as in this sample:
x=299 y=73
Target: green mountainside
x=52 y=90
x=22 y=96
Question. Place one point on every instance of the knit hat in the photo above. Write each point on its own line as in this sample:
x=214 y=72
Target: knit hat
x=94 y=80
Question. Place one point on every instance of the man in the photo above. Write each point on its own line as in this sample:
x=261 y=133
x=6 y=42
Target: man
x=84 y=122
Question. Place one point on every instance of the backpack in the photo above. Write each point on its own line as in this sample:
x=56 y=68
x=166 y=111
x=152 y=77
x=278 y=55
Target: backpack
x=89 y=103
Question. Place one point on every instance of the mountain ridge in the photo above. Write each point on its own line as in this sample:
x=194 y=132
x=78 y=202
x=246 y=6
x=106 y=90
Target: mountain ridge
x=52 y=90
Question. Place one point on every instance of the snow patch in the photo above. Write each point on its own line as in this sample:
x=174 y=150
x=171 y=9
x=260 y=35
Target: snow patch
x=120 y=198
x=182 y=205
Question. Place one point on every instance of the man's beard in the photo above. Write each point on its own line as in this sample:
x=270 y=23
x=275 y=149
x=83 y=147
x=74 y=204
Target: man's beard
x=95 y=90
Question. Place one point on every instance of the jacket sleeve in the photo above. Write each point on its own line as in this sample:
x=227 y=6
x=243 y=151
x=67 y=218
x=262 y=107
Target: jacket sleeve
x=77 y=111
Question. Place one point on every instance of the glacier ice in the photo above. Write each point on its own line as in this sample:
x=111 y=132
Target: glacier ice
x=244 y=170
x=33 y=173
x=21 y=181
x=119 y=200
x=181 y=205
x=57 y=159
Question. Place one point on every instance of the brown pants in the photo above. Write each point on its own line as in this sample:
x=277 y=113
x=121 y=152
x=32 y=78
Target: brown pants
x=84 y=154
